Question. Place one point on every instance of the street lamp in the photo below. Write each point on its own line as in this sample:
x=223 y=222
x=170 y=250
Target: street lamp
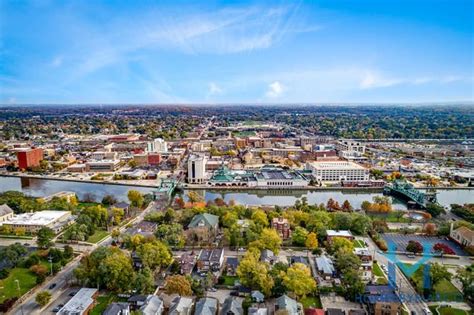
x=50 y=259
x=19 y=294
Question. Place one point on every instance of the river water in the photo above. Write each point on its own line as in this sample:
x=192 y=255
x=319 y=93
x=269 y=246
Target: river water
x=44 y=187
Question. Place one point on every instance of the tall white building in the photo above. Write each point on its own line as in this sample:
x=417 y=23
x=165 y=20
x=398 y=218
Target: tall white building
x=197 y=169
x=157 y=145
x=350 y=145
x=334 y=171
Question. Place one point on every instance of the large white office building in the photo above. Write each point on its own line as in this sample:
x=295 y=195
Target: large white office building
x=335 y=171
x=157 y=145
x=350 y=145
x=197 y=169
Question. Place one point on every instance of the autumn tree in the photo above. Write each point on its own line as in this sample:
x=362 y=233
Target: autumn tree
x=341 y=243
x=298 y=280
x=154 y=254
x=260 y=218
x=136 y=198
x=269 y=239
x=194 y=197
x=311 y=241
x=253 y=273
x=346 y=206
x=178 y=284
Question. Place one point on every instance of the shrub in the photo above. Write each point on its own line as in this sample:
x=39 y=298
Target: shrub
x=441 y=247
x=382 y=244
x=414 y=247
x=3 y=273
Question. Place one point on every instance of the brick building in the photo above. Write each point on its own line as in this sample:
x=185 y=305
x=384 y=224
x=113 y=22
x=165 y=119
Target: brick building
x=29 y=158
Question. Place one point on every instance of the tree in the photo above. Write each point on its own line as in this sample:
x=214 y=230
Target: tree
x=132 y=163
x=465 y=275
x=269 y=239
x=109 y=200
x=171 y=234
x=179 y=202
x=299 y=236
x=260 y=218
x=430 y=228
x=361 y=224
x=68 y=252
x=135 y=198
x=144 y=283
x=254 y=273
x=194 y=197
x=439 y=272
x=311 y=241
x=43 y=298
x=39 y=270
x=178 y=284
x=434 y=209
x=44 y=237
x=154 y=255
x=298 y=280
x=346 y=206
x=341 y=244
x=414 y=247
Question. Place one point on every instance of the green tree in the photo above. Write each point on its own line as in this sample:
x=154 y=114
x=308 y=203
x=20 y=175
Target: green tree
x=299 y=236
x=43 y=298
x=144 y=283
x=254 y=273
x=438 y=273
x=154 y=255
x=136 y=198
x=171 y=234
x=260 y=218
x=44 y=237
x=117 y=272
x=341 y=243
x=465 y=275
x=298 y=280
x=269 y=239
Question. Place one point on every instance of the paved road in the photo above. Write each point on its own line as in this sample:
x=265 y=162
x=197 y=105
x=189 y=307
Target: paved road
x=29 y=306
x=414 y=302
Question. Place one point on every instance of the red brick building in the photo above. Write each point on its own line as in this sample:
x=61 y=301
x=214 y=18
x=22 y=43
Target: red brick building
x=282 y=226
x=154 y=159
x=29 y=158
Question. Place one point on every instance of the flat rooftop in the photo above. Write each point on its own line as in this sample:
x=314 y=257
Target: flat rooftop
x=45 y=217
x=80 y=302
x=339 y=165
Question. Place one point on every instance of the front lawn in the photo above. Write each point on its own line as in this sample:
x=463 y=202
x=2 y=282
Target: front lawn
x=358 y=243
x=447 y=311
x=27 y=280
x=311 y=301
x=101 y=304
x=97 y=236
x=230 y=280
x=377 y=270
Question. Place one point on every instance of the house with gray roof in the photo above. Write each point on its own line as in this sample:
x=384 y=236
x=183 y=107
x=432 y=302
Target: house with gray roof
x=232 y=306
x=206 y=306
x=117 y=308
x=325 y=267
x=153 y=306
x=291 y=306
x=181 y=305
x=6 y=213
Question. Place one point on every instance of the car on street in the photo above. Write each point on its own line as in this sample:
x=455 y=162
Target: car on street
x=52 y=286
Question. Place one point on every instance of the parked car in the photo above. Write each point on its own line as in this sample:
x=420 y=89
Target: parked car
x=52 y=286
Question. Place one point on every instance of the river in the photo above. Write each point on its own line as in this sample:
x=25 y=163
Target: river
x=43 y=187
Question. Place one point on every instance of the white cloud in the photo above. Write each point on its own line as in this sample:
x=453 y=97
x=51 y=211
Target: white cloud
x=214 y=89
x=57 y=61
x=275 y=90
x=372 y=79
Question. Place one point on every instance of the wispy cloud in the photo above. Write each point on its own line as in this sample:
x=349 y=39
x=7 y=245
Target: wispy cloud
x=275 y=90
x=214 y=89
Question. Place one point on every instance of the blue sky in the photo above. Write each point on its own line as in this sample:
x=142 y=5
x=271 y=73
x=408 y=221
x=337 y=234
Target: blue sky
x=236 y=52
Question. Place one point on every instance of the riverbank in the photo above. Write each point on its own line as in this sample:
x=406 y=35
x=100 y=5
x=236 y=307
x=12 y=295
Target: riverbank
x=134 y=183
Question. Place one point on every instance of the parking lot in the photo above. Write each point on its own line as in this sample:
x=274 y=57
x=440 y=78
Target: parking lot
x=427 y=242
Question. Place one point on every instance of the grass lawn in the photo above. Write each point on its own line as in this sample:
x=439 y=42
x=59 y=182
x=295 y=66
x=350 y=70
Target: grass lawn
x=101 y=304
x=393 y=216
x=358 y=243
x=445 y=289
x=9 y=286
x=377 y=270
x=447 y=311
x=97 y=236
x=311 y=301
x=230 y=280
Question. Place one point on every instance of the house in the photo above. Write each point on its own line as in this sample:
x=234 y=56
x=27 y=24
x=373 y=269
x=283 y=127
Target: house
x=257 y=296
x=153 y=306
x=137 y=301
x=335 y=311
x=231 y=266
x=325 y=267
x=136 y=261
x=289 y=305
x=181 y=306
x=267 y=256
x=122 y=205
x=117 y=308
x=204 y=226
x=282 y=226
x=143 y=228
x=6 y=213
x=206 y=306
x=342 y=233
x=187 y=262
x=210 y=260
x=314 y=311
x=81 y=303
x=232 y=306
x=300 y=260
x=366 y=263
x=257 y=310
x=462 y=235
x=382 y=300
